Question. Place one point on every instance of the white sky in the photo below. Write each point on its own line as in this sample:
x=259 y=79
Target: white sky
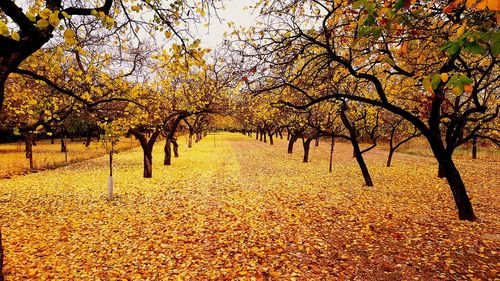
x=234 y=12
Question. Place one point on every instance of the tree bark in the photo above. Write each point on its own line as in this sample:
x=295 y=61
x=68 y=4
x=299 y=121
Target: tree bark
x=257 y=134
x=168 y=153
x=291 y=141
x=148 y=162
x=474 y=148
x=464 y=206
x=316 y=144
x=190 y=140
x=389 y=158
x=362 y=164
x=449 y=171
x=176 y=147
x=306 y=144
x=281 y=134
x=332 y=144
x=63 y=146
x=271 y=142
x=29 y=150
x=356 y=150
x=88 y=140
x=147 y=149
x=441 y=171
x=265 y=136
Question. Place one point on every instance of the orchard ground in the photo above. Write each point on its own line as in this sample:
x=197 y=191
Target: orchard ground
x=232 y=207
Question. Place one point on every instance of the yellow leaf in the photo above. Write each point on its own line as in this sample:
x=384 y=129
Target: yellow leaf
x=470 y=3
x=69 y=36
x=444 y=77
x=274 y=274
x=468 y=88
x=482 y=5
x=493 y=5
x=15 y=36
x=42 y=23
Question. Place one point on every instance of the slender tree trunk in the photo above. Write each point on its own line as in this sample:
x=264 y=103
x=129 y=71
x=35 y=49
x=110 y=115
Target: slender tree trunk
x=257 y=134
x=450 y=172
x=176 y=148
x=307 y=145
x=261 y=135
x=4 y=74
x=265 y=136
x=356 y=149
x=63 y=146
x=168 y=153
x=190 y=140
x=281 y=134
x=291 y=141
x=88 y=140
x=362 y=164
x=474 y=148
x=29 y=150
x=389 y=158
x=288 y=136
x=316 y=144
x=464 y=206
x=148 y=162
x=52 y=140
x=332 y=144
x=271 y=142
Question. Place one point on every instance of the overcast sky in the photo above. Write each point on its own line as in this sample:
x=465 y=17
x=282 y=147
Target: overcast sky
x=234 y=11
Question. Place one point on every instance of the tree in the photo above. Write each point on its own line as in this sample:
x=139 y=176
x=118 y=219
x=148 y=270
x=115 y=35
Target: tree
x=386 y=46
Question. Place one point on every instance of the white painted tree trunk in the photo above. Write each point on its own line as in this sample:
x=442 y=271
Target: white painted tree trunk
x=110 y=188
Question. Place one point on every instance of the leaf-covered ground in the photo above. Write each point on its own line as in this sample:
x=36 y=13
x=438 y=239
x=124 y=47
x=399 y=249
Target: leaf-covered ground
x=236 y=208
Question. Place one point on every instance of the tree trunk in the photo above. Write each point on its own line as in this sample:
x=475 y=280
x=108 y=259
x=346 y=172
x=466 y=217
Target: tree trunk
x=316 y=144
x=148 y=162
x=257 y=134
x=281 y=134
x=271 y=142
x=190 y=140
x=462 y=202
x=332 y=144
x=4 y=74
x=291 y=141
x=63 y=146
x=450 y=172
x=29 y=150
x=265 y=136
x=307 y=145
x=88 y=140
x=362 y=164
x=474 y=148
x=356 y=150
x=389 y=158
x=176 y=148
x=441 y=171
x=168 y=153
x=261 y=135
x=52 y=140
